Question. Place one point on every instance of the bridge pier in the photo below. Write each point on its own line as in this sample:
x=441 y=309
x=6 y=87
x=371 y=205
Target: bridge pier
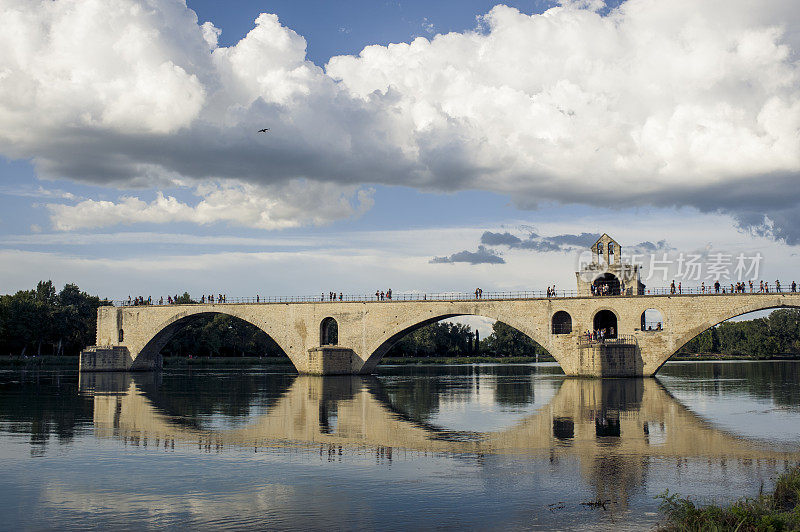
x=327 y=360
x=105 y=358
x=115 y=358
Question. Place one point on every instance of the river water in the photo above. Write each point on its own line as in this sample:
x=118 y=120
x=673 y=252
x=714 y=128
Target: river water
x=477 y=447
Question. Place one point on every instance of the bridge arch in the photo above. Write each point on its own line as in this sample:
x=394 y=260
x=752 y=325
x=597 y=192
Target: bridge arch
x=379 y=349
x=608 y=319
x=718 y=318
x=153 y=341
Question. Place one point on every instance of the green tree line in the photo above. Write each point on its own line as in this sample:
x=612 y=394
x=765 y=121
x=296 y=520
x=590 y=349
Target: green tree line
x=778 y=333
x=45 y=322
x=445 y=339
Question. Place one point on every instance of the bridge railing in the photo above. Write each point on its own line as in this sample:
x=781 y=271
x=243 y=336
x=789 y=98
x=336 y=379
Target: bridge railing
x=463 y=296
x=622 y=339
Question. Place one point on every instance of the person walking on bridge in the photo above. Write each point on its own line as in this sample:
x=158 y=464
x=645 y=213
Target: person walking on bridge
x=794 y=286
x=777 y=285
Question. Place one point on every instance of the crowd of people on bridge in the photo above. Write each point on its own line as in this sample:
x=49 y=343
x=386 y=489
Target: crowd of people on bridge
x=221 y=298
x=740 y=287
x=604 y=289
x=599 y=335
x=599 y=289
x=175 y=300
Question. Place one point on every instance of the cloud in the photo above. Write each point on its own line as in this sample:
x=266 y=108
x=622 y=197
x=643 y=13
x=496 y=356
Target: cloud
x=683 y=103
x=39 y=192
x=650 y=247
x=563 y=242
x=498 y=239
x=482 y=256
x=275 y=207
x=535 y=242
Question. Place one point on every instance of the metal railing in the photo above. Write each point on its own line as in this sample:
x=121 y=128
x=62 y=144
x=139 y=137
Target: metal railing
x=466 y=296
x=622 y=339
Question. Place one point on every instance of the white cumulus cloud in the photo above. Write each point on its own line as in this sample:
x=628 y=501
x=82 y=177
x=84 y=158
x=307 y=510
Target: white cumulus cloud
x=681 y=103
x=271 y=207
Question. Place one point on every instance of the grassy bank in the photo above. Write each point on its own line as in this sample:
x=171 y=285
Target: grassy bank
x=216 y=362
x=179 y=362
x=718 y=356
x=779 y=510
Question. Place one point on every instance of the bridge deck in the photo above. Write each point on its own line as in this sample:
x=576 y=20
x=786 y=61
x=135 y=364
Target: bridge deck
x=457 y=297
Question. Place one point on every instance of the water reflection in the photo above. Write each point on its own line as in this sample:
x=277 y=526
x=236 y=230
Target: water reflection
x=490 y=445
x=585 y=417
x=637 y=415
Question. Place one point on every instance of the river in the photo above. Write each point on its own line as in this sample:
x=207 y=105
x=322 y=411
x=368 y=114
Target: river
x=476 y=447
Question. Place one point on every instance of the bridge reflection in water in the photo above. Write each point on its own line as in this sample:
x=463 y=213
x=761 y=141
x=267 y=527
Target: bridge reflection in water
x=612 y=427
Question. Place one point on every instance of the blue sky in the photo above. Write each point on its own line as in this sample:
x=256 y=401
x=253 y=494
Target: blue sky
x=129 y=161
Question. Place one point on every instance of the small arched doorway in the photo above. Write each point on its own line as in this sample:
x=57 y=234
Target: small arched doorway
x=562 y=323
x=328 y=332
x=652 y=320
x=606 y=285
x=605 y=319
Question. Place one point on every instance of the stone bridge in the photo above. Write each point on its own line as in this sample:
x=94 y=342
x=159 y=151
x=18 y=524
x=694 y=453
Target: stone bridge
x=351 y=337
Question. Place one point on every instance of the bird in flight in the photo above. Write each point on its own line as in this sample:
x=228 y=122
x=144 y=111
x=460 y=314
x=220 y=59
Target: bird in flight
x=263 y=130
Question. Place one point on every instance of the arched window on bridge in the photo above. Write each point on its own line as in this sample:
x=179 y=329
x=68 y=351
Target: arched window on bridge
x=605 y=319
x=562 y=323
x=652 y=320
x=607 y=285
x=121 y=335
x=328 y=332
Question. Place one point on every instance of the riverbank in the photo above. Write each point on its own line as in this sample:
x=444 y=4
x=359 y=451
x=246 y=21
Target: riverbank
x=178 y=362
x=217 y=362
x=40 y=361
x=779 y=510
x=402 y=361
x=717 y=356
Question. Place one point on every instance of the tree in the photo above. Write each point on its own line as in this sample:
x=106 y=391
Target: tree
x=506 y=341
x=440 y=339
x=41 y=320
